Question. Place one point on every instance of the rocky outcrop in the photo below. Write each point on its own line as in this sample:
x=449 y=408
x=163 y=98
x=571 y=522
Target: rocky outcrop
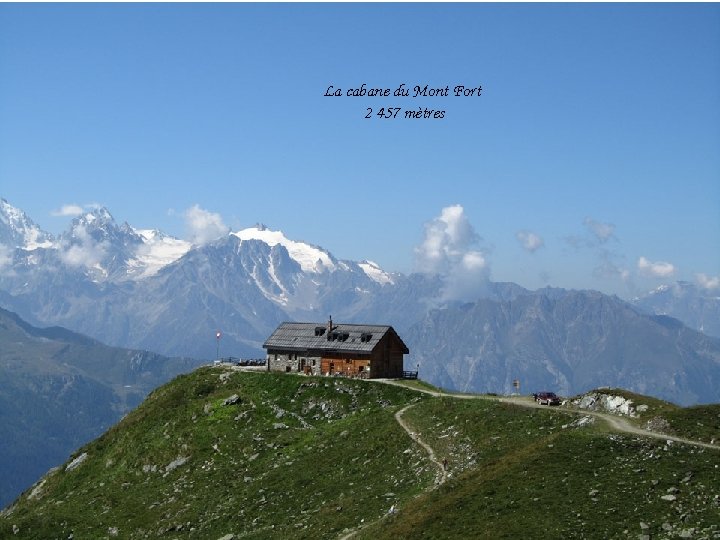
x=595 y=401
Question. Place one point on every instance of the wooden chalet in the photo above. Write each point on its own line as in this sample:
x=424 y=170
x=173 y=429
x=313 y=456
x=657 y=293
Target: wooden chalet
x=353 y=350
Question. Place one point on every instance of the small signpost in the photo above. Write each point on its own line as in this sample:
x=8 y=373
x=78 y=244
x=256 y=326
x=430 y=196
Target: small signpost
x=516 y=385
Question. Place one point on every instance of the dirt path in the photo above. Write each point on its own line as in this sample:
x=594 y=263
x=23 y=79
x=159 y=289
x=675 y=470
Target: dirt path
x=440 y=478
x=442 y=473
x=621 y=424
x=616 y=423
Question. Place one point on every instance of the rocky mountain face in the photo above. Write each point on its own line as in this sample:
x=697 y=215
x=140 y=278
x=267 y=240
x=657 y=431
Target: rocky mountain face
x=143 y=289
x=567 y=341
x=697 y=307
x=59 y=390
x=17 y=229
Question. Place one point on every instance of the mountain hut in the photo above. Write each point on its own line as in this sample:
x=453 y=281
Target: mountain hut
x=353 y=350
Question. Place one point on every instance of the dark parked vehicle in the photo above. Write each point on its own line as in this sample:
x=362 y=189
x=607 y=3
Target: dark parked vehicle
x=547 y=398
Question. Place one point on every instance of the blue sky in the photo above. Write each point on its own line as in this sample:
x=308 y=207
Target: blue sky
x=591 y=160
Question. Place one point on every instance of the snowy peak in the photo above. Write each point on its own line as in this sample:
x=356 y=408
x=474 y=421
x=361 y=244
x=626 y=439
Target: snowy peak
x=95 y=241
x=157 y=251
x=117 y=252
x=310 y=258
x=374 y=272
x=95 y=244
x=17 y=230
x=96 y=216
x=100 y=223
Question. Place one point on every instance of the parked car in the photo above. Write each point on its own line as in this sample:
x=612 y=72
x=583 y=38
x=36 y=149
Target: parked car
x=547 y=398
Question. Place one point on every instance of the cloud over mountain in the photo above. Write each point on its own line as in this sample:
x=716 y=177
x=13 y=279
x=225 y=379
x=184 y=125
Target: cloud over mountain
x=659 y=269
x=5 y=256
x=448 y=249
x=84 y=250
x=72 y=210
x=204 y=226
x=708 y=282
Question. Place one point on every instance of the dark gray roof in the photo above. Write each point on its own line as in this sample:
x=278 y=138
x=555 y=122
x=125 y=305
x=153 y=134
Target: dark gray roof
x=360 y=338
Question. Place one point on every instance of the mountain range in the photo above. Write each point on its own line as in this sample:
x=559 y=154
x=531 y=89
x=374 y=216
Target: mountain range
x=60 y=390
x=566 y=340
x=143 y=289
x=698 y=308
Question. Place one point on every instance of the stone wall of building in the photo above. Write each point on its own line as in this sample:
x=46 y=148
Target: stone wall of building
x=293 y=363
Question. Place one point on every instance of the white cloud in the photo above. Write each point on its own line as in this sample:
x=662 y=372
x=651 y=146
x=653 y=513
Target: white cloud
x=659 y=269
x=447 y=249
x=530 y=241
x=708 y=282
x=5 y=256
x=602 y=231
x=204 y=226
x=71 y=210
x=447 y=238
x=84 y=251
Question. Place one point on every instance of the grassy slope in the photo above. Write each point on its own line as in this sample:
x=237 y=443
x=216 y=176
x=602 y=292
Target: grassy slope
x=514 y=472
x=700 y=422
x=518 y=473
x=59 y=390
x=244 y=475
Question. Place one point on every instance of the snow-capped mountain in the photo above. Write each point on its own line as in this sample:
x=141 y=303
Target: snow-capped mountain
x=98 y=244
x=143 y=289
x=17 y=230
x=94 y=245
x=312 y=259
x=107 y=251
x=123 y=285
x=158 y=250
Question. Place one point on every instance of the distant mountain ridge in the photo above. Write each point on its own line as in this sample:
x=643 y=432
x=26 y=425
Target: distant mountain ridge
x=143 y=289
x=61 y=389
x=570 y=341
x=697 y=307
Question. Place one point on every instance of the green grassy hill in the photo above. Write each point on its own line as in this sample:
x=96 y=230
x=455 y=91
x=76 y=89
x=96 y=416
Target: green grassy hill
x=256 y=455
x=699 y=422
x=59 y=389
